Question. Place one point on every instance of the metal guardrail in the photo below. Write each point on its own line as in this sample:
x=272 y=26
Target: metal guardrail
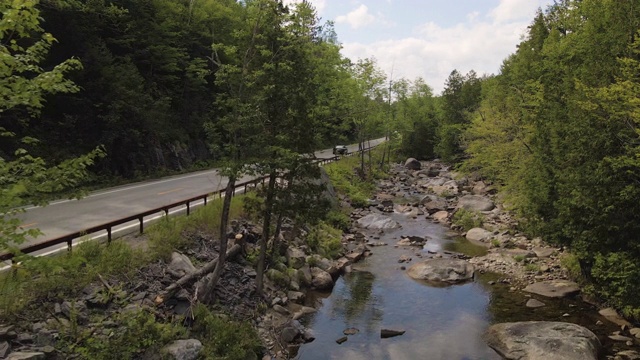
x=68 y=238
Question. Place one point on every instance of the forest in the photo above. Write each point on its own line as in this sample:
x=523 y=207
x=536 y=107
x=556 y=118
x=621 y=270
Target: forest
x=122 y=89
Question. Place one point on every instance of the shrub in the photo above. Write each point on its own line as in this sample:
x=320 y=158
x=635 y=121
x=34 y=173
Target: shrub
x=325 y=240
x=338 y=220
x=467 y=219
x=139 y=333
x=224 y=339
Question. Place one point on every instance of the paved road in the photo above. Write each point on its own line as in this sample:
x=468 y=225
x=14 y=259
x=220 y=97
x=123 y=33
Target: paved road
x=68 y=216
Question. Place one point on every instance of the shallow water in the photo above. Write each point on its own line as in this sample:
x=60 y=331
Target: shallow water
x=440 y=322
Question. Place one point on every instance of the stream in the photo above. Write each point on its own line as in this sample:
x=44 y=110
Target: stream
x=439 y=322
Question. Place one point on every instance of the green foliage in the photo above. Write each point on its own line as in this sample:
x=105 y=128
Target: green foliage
x=558 y=131
x=616 y=277
x=519 y=258
x=532 y=268
x=24 y=83
x=56 y=278
x=325 y=240
x=338 y=219
x=346 y=180
x=138 y=333
x=467 y=219
x=224 y=339
x=571 y=263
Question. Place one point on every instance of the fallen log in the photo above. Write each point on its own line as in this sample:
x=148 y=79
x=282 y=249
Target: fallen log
x=206 y=269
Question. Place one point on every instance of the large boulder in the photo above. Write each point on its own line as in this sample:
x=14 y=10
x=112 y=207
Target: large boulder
x=180 y=265
x=184 y=349
x=543 y=340
x=295 y=257
x=377 y=222
x=433 y=203
x=27 y=355
x=554 y=288
x=412 y=164
x=321 y=280
x=442 y=271
x=475 y=203
x=478 y=234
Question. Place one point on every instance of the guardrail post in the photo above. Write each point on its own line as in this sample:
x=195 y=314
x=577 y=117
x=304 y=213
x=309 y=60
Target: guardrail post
x=109 y=235
x=166 y=212
x=141 y=219
x=69 y=245
x=188 y=208
x=205 y=200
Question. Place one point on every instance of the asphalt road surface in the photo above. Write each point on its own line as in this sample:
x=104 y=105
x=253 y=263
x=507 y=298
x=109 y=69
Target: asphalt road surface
x=67 y=216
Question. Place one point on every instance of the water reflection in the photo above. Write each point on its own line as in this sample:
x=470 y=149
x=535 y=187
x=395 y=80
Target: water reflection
x=440 y=323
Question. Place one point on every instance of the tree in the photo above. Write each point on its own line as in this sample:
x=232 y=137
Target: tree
x=24 y=85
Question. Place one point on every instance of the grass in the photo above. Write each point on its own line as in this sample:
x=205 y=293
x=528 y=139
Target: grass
x=467 y=219
x=345 y=177
x=325 y=240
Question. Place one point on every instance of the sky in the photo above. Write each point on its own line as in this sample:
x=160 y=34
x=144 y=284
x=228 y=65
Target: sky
x=430 y=38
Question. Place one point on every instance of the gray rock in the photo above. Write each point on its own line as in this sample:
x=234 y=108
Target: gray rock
x=534 y=303
x=543 y=252
x=184 y=349
x=441 y=216
x=554 y=288
x=613 y=316
x=542 y=340
x=627 y=355
x=77 y=309
x=180 y=265
x=280 y=309
x=4 y=349
x=377 y=222
x=26 y=355
x=412 y=164
x=478 y=234
x=296 y=296
x=442 y=270
x=295 y=257
x=321 y=280
x=617 y=337
x=475 y=203
x=433 y=203
x=304 y=275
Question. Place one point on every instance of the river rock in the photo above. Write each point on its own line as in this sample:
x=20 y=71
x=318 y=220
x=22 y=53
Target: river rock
x=412 y=164
x=442 y=270
x=377 y=222
x=613 y=316
x=387 y=333
x=321 y=280
x=295 y=257
x=475 y=203
x=433 y=203
x=534 y=303
x=554 y=288
x=627 y=355
x=543 y=340
x=184 y=349
x=441 y=216
x=478 y=234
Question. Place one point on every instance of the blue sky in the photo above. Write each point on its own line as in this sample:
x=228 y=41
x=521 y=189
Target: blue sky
x=430 y=38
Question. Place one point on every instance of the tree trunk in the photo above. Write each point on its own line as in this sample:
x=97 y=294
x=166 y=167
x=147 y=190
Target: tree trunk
x=369 y=153
x=224 y=220
x=266 y=225
x=207 y=268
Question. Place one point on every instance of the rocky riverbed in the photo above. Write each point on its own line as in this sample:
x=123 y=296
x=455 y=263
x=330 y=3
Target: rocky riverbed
x=430 y=190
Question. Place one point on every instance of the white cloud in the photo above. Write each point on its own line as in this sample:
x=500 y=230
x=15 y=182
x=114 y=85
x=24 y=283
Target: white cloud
x=319 y=5
x=434 y=51
x=357 y=18
x=509 y=10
